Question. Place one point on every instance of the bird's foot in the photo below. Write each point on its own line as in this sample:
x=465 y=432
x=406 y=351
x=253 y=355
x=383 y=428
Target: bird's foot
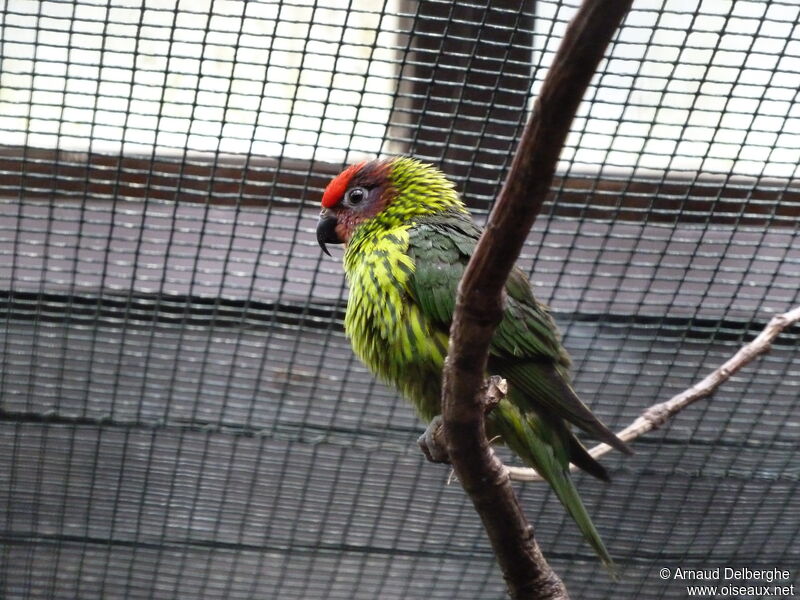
x=432 y=442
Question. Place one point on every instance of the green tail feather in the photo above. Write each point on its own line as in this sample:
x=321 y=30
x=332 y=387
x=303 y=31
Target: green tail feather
x=541 y=446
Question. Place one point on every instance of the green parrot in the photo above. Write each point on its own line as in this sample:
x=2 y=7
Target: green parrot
x=408 y=239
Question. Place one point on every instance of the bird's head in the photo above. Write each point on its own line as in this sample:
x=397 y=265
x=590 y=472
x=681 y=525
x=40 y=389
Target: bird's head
x=386 y=193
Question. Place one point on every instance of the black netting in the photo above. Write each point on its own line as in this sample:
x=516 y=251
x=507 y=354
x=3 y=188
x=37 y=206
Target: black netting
x=181 y=415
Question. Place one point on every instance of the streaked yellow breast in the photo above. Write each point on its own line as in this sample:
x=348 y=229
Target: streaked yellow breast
x=388 y=331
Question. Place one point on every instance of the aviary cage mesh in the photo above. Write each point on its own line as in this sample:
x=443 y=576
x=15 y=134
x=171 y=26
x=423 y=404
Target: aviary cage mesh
x=180 y=413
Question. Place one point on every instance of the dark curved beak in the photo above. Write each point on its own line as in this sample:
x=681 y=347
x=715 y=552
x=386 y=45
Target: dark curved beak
x=326 y=231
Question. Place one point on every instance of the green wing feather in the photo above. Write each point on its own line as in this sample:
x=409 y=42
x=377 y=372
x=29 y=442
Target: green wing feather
x=527 y=351
x=526 y=348
x=441 y=249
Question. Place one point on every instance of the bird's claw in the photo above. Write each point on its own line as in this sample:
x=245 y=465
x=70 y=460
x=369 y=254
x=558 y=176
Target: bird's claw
x=432 y=442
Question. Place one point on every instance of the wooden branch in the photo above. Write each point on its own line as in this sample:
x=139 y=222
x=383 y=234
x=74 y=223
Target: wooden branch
x=479 y=301
x=658 y=414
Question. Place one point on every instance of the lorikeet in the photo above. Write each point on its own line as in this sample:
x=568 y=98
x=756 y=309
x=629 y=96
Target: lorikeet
x=408 y=238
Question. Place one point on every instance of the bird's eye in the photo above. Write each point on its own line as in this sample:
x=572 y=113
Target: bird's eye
x=356 y=195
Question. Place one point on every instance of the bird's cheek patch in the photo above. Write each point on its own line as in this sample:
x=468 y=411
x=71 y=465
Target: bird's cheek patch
x=343 y=232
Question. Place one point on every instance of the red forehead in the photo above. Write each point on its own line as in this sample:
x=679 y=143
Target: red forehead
x=338 y=185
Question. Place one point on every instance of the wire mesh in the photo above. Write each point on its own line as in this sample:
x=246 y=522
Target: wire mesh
x=180 y=413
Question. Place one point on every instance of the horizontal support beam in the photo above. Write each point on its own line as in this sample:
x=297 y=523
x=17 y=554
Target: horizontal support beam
x=31 y=173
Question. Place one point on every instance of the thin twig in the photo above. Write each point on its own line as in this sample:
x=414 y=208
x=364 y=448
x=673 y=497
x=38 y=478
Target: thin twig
x=658 y=414
x=479 y=301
